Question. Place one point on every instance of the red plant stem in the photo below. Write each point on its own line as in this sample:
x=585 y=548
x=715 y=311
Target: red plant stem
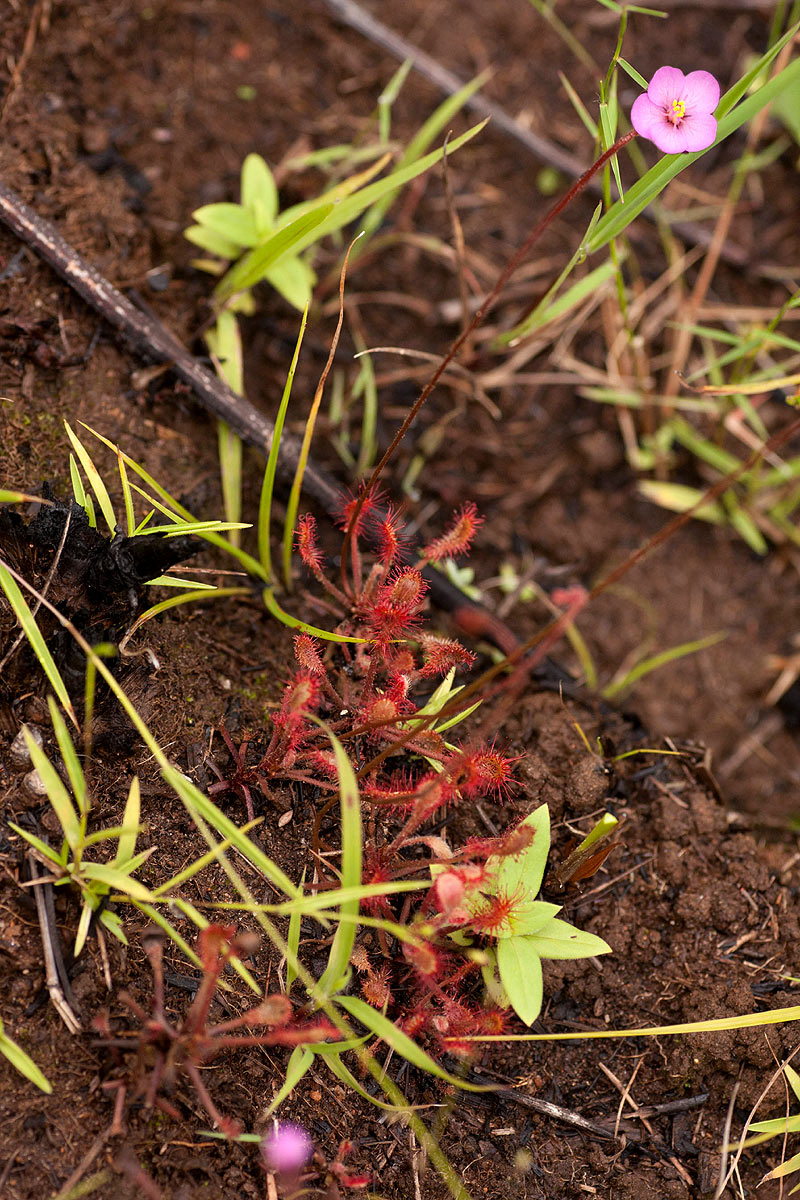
x=511 y=266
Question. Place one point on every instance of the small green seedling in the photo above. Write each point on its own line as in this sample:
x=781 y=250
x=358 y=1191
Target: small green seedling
x=526 y=930
x=228 y=230
x=94 y=880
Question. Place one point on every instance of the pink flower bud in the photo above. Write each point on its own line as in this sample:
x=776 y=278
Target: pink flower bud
x=287 y=1147
x=449 y=891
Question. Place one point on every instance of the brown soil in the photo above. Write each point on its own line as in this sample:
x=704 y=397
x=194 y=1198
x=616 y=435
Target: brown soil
x=119 y=120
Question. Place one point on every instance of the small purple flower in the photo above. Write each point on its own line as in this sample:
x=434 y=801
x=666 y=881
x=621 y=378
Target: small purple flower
x=287 y=1147
x=677 y=110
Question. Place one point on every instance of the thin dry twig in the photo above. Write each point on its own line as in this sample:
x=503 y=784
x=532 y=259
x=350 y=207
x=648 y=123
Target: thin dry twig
x=55 y=972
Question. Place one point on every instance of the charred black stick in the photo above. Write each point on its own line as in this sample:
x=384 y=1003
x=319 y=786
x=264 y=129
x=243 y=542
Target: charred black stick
x=146 y=334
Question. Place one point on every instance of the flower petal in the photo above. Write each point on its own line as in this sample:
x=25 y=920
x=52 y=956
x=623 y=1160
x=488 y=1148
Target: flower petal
x=700 y=93
x=667 y=85
x=698 y=130
x=670 y=139
x=645 y=116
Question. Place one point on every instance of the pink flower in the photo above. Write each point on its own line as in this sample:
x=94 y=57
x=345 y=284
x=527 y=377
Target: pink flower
x=677 y=111
x=287 y=1147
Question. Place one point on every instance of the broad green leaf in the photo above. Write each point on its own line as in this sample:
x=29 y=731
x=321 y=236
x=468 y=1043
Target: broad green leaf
x=259 y=193
x=529 y=917
x=294 y=279
x=520 y=971
x=213 y=242
x=559 y=939
x=232 y=221
x=521 y=874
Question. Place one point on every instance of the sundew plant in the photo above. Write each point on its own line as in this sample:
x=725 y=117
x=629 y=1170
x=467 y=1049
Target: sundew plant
x=405 y=939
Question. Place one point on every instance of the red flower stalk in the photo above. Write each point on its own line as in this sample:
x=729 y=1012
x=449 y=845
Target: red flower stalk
x=458 y=538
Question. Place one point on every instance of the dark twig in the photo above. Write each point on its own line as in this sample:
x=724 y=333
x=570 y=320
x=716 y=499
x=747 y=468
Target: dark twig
x=556 y=1111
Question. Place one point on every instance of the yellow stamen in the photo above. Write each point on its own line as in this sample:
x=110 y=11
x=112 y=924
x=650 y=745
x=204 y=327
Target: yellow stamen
x=678 y=111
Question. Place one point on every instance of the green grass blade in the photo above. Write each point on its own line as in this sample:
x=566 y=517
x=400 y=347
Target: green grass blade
x=11 y=497
x=37 y=643
x=293 y=940
x=46 y=851
x=431 y=128
x=75 y=773
x=22 y=1062
x=112 y=877
x=198 y=803
x=286 y=618
x=130 y=823
x=335 y=1065
x=293 y=238
x=659 y=660
x=338 y=966
x=268 y=486
x=127 y=496
x=300 y=1062
x=400 y=1042
x=95 y=479
x=57 y=794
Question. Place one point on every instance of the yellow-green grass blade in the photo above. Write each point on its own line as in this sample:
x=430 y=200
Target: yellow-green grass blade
x=37 y=643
